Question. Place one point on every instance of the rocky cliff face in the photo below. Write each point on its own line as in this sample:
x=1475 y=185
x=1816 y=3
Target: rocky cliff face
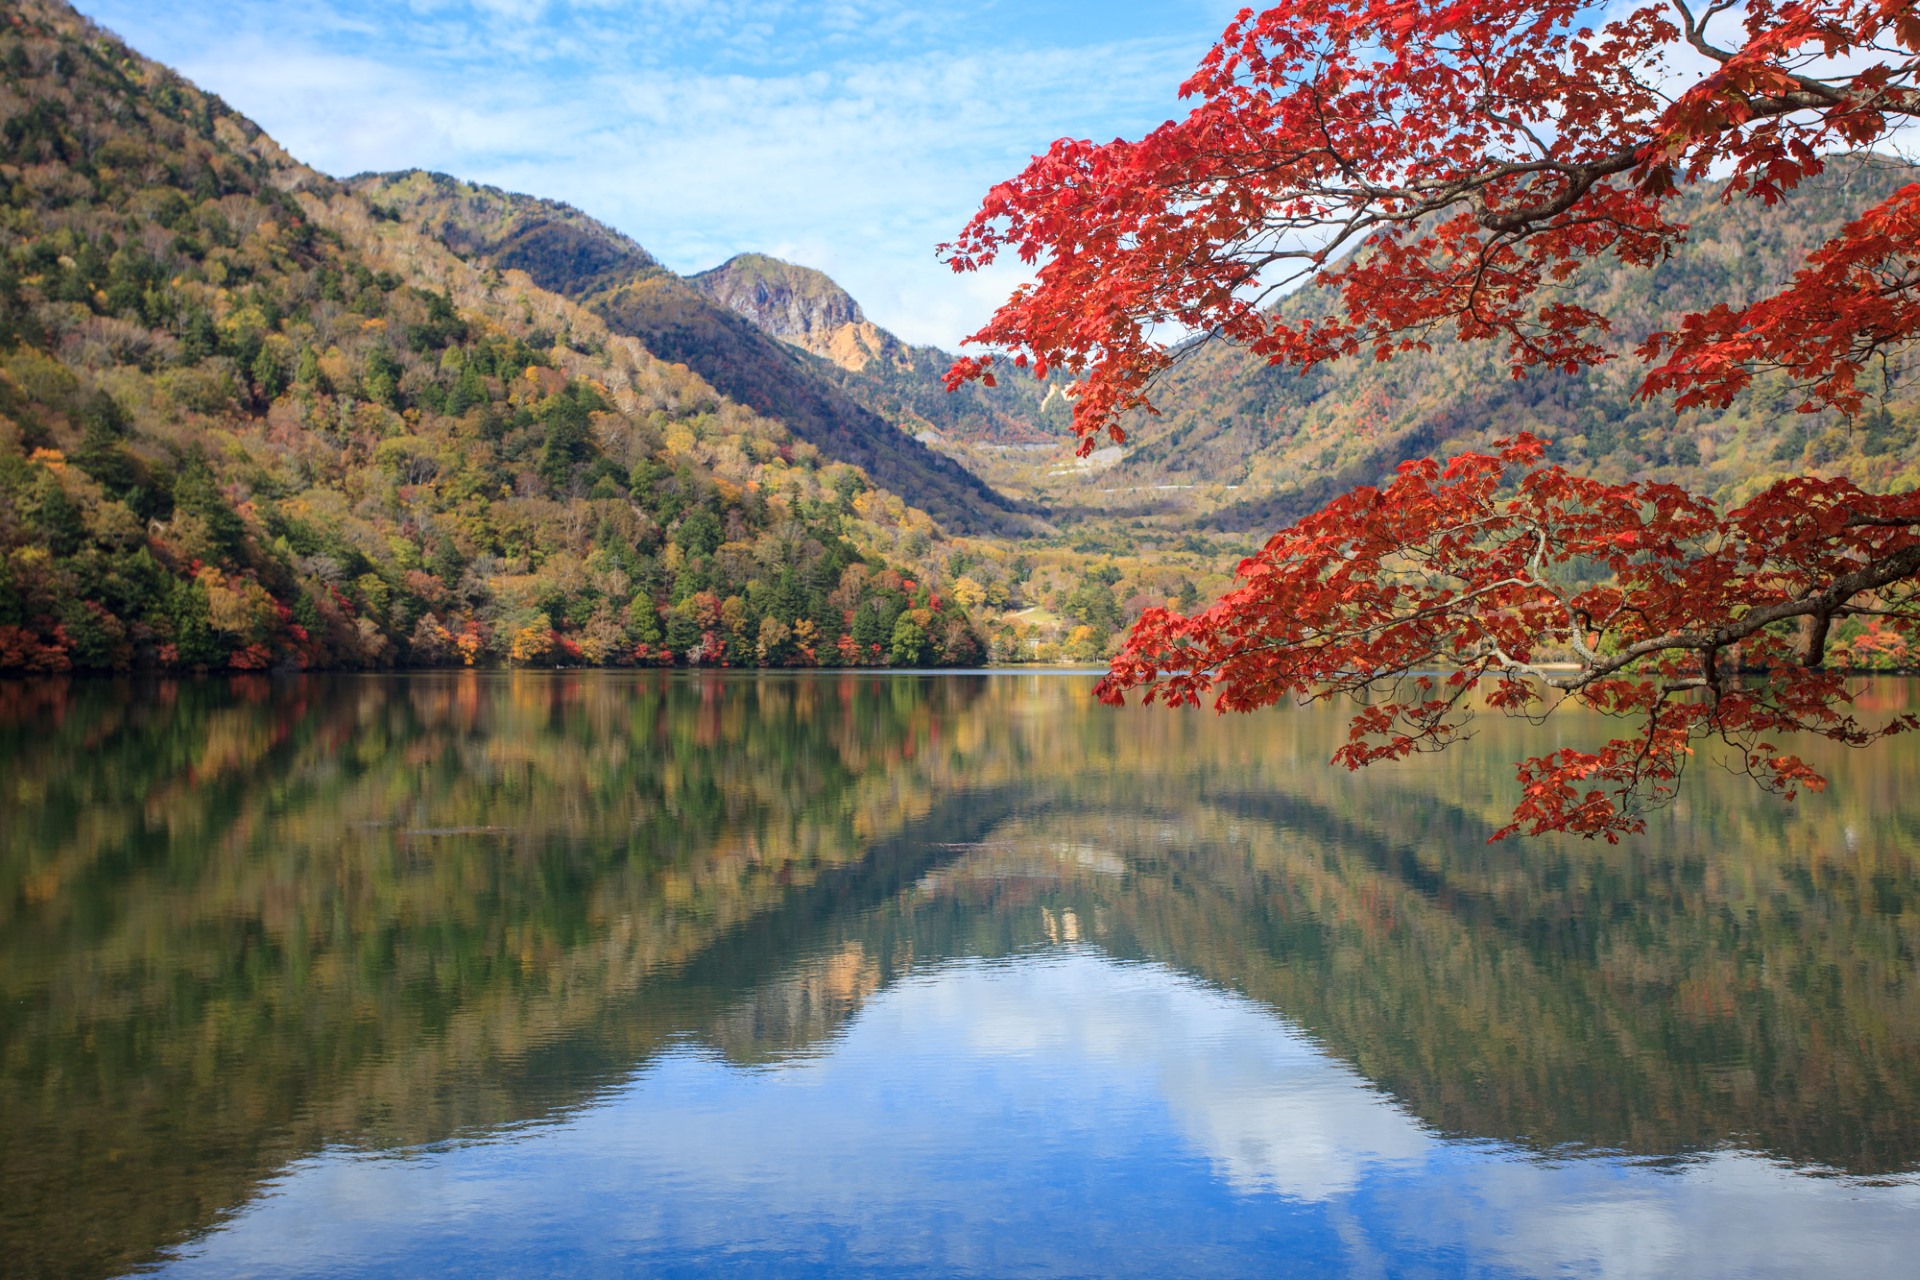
x=904 y=384
x=801 y=306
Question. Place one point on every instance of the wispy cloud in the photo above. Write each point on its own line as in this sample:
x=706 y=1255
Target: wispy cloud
x=851 y=135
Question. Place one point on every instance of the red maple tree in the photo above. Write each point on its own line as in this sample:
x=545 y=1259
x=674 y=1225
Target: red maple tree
x=1444 y=166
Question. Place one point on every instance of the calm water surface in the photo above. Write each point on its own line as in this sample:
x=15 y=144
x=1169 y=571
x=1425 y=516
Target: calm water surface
x=667 y=974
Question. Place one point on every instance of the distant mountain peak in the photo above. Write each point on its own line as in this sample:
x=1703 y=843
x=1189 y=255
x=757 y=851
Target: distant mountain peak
x=683 y=322
x=801 y=306
x=804 y=308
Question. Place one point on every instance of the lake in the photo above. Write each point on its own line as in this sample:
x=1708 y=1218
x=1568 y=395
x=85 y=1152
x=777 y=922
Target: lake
x=607 y=973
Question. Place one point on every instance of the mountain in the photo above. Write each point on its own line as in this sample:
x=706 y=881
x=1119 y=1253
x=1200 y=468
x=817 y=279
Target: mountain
x=1293 y=440
x=250 y=419
x=562 y=250
x=559 y=247
x=252 y=416
x=799 y=305
x=904 y=384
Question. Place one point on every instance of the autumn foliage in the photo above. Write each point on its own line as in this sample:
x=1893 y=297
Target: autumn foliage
x=1475 y=570
x=1444 y=168
x=250 y=420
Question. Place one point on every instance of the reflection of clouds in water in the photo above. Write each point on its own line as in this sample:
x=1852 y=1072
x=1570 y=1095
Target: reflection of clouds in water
x=1032 y=1116
x=1089 y=857
x=1268 y=1108
x=1313 y=1141
x=1728 y=1214
x=1273 y=1113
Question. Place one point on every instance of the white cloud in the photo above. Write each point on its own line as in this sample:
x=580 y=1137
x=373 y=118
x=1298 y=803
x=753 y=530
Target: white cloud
x=852 y=136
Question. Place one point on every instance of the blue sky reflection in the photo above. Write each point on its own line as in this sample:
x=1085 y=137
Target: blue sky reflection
x=1061 y=1114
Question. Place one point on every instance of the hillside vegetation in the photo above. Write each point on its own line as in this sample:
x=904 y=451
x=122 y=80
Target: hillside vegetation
x=1292 y=440
x=1242 y=449
x=563 y=250
x=250 y=419
x=252 y=416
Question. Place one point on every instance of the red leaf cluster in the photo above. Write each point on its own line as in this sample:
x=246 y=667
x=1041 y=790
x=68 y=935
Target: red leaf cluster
x=1442 y=167
x=1473 y=585
x=1477 y=155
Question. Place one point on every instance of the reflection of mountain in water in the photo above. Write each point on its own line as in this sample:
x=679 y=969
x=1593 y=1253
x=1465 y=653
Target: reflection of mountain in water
x=1511 y=1011
x=244 y=922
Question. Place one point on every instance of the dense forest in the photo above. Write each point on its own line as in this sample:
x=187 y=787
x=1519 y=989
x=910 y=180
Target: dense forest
x=249 y=420
x=581 y=259
x=253 y=417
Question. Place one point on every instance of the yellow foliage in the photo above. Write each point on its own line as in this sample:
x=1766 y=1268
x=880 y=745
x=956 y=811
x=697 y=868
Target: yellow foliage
x=238 y=606
x=967 y=593
x=532 y=643
x=773 y=635
x=335 y=368
x=247 y=319
x=1083 y=644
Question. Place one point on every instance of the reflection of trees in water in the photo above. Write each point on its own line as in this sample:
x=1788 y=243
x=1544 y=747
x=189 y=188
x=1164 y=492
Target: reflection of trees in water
x=245 y=920
x=1746 y=974
x=268 y=917
x=1526 y=1007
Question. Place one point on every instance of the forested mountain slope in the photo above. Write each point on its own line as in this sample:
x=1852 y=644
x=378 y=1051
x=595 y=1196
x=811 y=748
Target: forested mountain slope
x=1293 y=440
x=249 y=419
x=569 y=253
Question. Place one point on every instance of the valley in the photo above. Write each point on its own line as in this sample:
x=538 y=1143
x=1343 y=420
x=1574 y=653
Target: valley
x=255 y=416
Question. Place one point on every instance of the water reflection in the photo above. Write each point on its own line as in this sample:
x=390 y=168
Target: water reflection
x=947 y=975
x=995 y=1118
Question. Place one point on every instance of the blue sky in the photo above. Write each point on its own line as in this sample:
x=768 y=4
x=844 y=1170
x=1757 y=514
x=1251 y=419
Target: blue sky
x=849 y=135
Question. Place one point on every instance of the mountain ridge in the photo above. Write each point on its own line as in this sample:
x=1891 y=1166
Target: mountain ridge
x=900 y=381
x=1300 y=438
x=613 y=277
x=251 y=420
